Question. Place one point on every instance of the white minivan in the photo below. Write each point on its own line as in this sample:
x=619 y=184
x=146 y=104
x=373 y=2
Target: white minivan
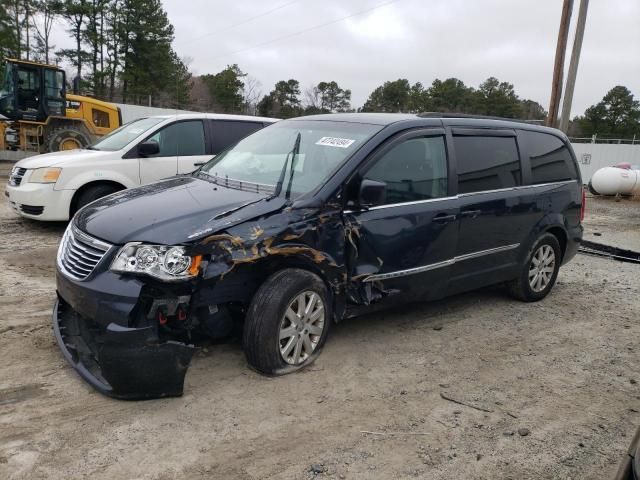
x=53 y=186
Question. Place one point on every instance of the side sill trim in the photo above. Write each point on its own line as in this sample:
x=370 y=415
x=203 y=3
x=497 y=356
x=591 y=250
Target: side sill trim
x=445 y=263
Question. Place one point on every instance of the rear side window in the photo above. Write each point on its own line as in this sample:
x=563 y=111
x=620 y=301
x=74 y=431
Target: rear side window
x=229 y=132
x=550 y=158
x=486 y=163
x=415 y=169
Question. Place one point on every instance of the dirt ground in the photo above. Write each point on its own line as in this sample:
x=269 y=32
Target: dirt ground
x=554 y=383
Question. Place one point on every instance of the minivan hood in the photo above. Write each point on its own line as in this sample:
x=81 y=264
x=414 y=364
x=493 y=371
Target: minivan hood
x=59 y=159
x=173 y=211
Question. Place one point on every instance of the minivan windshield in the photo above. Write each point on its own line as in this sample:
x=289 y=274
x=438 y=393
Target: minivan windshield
x=127 y=133
x=260 y=158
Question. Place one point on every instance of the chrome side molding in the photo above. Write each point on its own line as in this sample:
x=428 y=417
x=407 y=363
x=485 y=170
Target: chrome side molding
x=445 y=263
x=464 y=195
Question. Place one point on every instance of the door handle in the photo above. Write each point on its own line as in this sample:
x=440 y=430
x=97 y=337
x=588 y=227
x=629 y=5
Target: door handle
x=443 y=218
x=198 y=164
x=470 y=213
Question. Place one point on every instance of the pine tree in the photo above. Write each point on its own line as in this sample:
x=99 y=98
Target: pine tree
x=44 y=15
x=145 y=39
x=226 y=89
x=9 y=43
x=93 y=36
x=74 y=12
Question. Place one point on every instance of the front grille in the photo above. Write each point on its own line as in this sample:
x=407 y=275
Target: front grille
x=32 y=209
x=15 y=179
x=80 y=253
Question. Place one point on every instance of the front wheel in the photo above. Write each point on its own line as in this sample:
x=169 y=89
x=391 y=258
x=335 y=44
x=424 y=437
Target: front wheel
x=91 y=194
x=287 y=322
x=539 y=272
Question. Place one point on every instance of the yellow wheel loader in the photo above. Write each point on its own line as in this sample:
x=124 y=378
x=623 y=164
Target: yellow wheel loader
x=41 y=117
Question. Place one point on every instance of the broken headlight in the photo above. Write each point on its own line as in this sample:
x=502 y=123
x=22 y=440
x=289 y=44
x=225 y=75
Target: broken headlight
x=163 y=262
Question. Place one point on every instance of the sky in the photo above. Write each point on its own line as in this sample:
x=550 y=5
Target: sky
x=513 y=40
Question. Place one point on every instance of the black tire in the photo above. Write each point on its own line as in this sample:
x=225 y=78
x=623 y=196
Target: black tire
x=261 y=334
x=520 y=288
x=91 y=194
x=56 y=138
x=591 y=189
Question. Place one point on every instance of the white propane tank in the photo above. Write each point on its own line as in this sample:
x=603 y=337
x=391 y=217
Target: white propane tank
x=623 y=179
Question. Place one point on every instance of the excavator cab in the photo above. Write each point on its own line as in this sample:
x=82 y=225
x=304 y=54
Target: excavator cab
x=41 y=117
x=32 y=91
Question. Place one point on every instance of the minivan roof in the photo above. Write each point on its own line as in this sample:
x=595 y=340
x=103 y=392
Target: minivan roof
x=431 y=119
x=217 y=116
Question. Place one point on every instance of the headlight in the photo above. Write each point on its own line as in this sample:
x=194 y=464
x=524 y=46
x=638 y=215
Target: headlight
x=45 y=175
x=159 y=261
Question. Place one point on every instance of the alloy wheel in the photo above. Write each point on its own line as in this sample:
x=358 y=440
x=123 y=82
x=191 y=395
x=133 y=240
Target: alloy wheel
x=543 y=264
x=301 y=327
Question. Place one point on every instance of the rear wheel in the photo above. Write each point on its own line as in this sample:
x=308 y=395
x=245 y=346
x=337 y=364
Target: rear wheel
x=66 y=138
x=287 y=322
x=539 y=271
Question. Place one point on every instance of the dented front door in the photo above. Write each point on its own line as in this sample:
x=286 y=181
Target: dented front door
x=407 y=244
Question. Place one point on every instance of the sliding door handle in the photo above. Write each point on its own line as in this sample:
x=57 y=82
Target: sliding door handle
x=443 y=218
x=470 y=213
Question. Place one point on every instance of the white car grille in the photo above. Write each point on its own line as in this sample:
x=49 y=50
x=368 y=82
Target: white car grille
x=15 y=179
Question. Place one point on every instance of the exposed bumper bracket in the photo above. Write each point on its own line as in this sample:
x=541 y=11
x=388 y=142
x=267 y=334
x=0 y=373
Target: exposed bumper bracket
x=118 y=361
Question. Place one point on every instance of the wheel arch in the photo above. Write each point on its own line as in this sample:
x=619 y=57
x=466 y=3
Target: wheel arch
x=74 y=200
x=242 y=282
x=553 y=224
x=59 y=123
x=561 y=234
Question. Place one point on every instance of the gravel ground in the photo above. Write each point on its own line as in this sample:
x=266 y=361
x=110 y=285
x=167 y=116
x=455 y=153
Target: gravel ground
x=550 y=387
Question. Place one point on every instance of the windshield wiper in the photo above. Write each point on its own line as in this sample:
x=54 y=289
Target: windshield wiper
x=293 y=153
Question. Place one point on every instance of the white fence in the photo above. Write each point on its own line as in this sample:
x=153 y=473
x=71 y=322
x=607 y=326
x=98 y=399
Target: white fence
x=592 y=156
x=132 y=112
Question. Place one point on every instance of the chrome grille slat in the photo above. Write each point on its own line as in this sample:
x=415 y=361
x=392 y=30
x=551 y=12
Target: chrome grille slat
x=73 y=264
x=83 y=251
x=87 y=248
x=80 y=261
x=79 y=253
x=75 y=268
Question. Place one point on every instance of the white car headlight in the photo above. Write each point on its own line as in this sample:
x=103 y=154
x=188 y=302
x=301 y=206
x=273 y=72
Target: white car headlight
x=45 y=175
x=163 y=262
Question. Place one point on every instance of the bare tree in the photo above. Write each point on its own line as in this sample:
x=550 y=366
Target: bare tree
x=312 y=98
x=43 y=20
x=251 y=93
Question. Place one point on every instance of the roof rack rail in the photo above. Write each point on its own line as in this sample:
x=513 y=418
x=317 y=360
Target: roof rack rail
x=470 y=115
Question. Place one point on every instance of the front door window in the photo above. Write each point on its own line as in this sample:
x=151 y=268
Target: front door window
x=181 y=139
x=413 y=170
x=28 y=90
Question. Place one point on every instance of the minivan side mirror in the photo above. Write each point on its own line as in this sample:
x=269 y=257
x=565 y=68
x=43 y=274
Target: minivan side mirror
x=372 y=193
x=148 y=148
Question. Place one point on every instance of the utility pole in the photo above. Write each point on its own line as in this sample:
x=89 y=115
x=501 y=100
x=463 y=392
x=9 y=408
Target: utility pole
x=558 y=66
x=573 y=66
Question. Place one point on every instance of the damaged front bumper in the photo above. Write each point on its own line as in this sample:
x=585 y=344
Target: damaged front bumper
x=121 y=362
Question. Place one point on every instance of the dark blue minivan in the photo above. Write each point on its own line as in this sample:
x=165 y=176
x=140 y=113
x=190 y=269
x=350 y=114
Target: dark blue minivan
x=305 y=223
